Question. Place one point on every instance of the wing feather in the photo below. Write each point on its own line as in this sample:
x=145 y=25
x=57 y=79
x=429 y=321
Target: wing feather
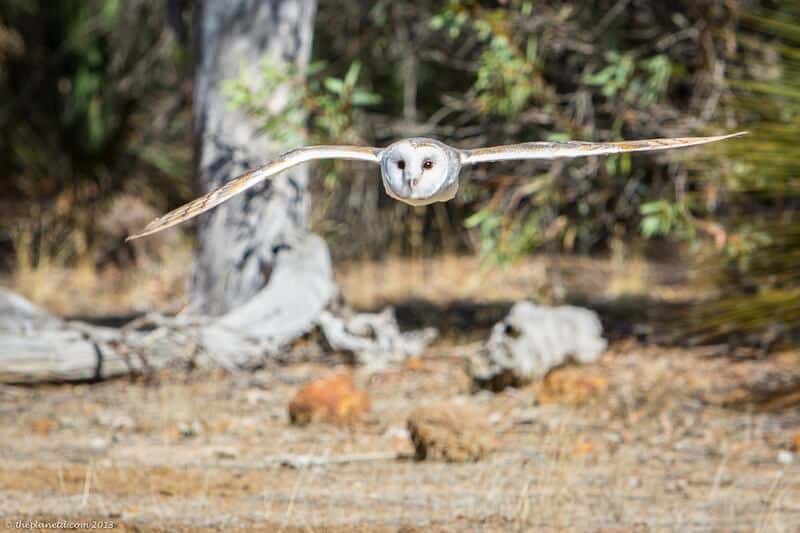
x=249 y=179
x=553 y=150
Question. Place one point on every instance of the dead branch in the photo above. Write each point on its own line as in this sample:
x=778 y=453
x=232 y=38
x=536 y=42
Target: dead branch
x=309 y=461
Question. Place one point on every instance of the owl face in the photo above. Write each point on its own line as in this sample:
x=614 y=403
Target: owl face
x=420 y=171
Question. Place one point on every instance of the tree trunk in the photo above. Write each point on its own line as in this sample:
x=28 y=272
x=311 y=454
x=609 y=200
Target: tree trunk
x=240 y=241
x=260 y=274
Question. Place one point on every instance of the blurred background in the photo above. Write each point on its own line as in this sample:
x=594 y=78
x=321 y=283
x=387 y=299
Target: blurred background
x=114 y=112
x=96 y=138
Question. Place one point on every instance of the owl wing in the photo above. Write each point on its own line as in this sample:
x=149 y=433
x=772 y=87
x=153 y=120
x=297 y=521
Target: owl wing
x=237 y=185
x=553 y=150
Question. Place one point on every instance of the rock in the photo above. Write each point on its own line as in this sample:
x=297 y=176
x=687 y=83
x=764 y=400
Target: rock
x=583 y=447
x=450 y=432
x=796 y=441
x=226 y=453
x=189 y=429
x=98 y=443
x=572 y=386
x=115 y=421
x=255 y=396
x=534 y=339
x=43 y=426
x=785 y=457
x=400 y=439
x=333 y=398
x=769 y=384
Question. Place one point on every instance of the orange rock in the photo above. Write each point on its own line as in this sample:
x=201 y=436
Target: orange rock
x=413 y=363
x=450 y=432
x=333 y=398
x=796 y=441
x=42 y=426
x=582 y=447
x=571 y=386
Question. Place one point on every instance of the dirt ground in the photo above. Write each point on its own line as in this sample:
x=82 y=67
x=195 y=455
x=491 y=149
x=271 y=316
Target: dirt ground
x=649 y=445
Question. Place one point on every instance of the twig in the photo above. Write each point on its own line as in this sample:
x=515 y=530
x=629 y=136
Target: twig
x=609 y=17
x=308 y=461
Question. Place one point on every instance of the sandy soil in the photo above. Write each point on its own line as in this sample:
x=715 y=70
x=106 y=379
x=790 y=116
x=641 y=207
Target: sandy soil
x=649 y=450
x=201 y=452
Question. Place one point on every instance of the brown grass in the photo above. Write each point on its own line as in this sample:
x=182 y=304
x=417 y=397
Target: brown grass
x=186 y=454
x=82 y=289
x=625 y=444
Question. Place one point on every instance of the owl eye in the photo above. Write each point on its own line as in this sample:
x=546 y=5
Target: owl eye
x=401 y=164
x=427 y=164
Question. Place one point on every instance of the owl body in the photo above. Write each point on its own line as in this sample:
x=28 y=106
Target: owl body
x=420 y=171
x=416 y=171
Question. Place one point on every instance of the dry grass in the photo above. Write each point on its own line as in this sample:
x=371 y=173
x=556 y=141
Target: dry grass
x=186 y=454
x=642 y=452
x=159 y=282
x=449 y=278
x=64 y=289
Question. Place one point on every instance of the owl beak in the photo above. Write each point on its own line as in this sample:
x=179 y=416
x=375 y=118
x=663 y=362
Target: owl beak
x=412 y=180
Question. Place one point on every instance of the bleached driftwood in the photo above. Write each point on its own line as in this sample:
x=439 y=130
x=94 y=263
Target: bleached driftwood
x=36 y=347
x=18 y=315
x=533 y=339
x=301 y=296
x=374 y=338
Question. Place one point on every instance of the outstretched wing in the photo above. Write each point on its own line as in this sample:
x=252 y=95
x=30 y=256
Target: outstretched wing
x=553 y=150
x=249 y=179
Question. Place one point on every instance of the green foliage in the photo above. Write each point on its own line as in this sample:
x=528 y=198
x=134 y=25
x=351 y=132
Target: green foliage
x=309 y=102
x=759 y=278
x=507 y=76
x=89 y=102
x=313 y=107
x=663 y=218
x=644 y=81
x=506 y=79
x=503 y=241
x=480 y=73
x=92 y=105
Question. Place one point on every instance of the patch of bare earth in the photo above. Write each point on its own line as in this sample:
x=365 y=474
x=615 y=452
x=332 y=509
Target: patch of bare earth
x=172 y=454
x=635 y=442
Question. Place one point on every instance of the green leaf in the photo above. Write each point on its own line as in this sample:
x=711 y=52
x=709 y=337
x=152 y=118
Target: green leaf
x=625 y=164
x=650 y=226
x=478 y=218
x=315 y=68
x=334 y=85
x=531 y=52
x=600 y=78
x=651 y=208
x=365 y=98
x=351 y=77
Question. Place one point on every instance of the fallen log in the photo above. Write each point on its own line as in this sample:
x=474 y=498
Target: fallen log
x=36 y=347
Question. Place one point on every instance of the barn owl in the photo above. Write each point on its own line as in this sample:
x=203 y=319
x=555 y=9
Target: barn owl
x=417 y=171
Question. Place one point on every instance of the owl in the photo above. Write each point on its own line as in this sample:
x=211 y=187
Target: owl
x=416 y=171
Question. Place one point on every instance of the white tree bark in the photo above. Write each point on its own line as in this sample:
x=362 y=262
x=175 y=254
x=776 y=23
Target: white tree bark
x=239 y=242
